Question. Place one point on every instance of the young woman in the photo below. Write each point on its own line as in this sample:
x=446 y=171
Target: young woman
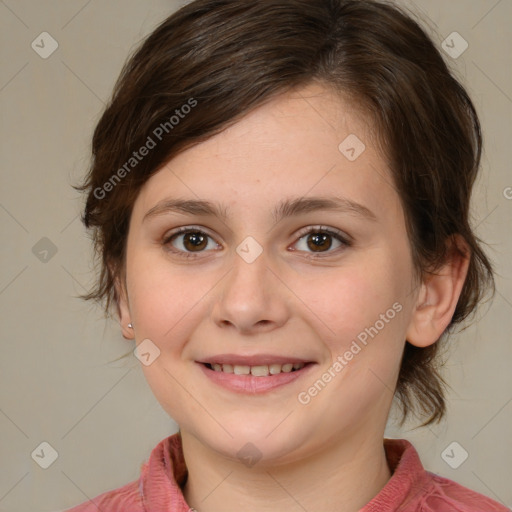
x=279 y=196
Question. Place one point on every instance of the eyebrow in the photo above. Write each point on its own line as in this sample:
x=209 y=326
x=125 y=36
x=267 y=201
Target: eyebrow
x=286 y=208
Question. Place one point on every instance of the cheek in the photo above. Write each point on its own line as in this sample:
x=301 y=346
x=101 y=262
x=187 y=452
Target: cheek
x=349 y=299
x=164 y=297
x=360 y=312
x=168 y=304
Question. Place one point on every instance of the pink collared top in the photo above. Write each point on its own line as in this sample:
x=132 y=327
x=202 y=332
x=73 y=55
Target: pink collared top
x=410 y=489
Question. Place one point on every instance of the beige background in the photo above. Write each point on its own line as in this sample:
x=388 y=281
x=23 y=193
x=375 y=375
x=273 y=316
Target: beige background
x=57 y=380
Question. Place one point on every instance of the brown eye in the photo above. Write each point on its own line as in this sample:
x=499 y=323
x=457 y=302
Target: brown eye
x=188 y=242
x=319 y=240
x=194 y=240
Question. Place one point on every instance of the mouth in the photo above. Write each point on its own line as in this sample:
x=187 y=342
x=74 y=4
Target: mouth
x=254 y=375
x=263 y=370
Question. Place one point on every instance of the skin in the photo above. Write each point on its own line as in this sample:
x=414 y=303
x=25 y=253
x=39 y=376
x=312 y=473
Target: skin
x=281 y=303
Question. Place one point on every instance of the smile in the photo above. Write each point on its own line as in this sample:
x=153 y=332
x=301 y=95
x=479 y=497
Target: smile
x=256 y=378
x=257 y=371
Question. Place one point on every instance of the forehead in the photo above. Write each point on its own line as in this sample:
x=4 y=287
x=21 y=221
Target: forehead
x=310 y=141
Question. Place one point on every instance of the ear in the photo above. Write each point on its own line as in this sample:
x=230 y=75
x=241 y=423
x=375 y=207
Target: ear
x=439 y=295
x=123 y=308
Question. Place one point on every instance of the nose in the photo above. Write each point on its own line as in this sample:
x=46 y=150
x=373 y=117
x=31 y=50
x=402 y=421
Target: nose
x=252 y=299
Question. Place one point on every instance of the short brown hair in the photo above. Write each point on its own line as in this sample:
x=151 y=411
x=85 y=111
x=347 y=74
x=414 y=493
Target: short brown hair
x=231 y=56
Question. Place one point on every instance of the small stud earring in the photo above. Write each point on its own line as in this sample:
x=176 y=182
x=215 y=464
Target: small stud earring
x=130 y=326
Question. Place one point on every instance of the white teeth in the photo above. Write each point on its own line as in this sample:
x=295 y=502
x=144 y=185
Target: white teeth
x=241 y=370
x=274 y=368
x=257 y=371
x=227 y=368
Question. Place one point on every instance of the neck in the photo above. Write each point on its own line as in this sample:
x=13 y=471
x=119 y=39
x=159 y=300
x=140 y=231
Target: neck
x=346 y=477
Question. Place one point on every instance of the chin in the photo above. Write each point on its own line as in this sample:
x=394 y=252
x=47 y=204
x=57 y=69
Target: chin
x=258 y=443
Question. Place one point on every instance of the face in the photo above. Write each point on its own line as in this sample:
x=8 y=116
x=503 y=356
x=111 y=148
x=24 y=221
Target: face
x=273 y=277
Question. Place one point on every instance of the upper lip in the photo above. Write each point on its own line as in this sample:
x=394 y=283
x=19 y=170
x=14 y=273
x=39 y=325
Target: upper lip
x=254 y=360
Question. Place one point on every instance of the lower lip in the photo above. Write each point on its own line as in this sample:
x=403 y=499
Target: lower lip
x=250 y=384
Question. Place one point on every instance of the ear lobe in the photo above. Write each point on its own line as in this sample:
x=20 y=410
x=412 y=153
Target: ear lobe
x=123 y=309
x=439 y=296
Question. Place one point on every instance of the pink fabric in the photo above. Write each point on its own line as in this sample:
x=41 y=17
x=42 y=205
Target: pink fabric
x=410 y=489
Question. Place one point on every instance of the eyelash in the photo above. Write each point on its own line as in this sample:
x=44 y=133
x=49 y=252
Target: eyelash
x=338 y=235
